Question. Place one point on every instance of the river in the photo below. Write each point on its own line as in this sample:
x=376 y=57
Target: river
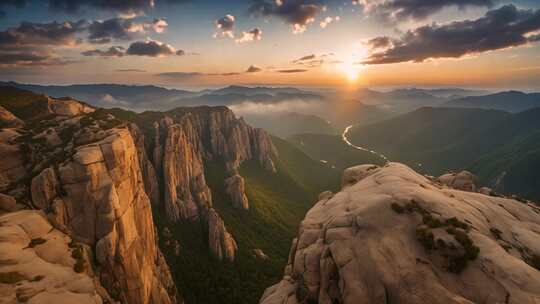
x=348 y=142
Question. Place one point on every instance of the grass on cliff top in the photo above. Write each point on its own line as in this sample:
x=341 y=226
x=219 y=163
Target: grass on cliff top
x=278 y=202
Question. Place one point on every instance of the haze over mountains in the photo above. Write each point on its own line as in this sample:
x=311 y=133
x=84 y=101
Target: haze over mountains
x=210 y=204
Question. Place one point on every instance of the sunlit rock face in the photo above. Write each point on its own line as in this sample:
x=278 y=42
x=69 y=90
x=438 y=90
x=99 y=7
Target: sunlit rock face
x=83 y=170
x=188 y=138
x=394 y=236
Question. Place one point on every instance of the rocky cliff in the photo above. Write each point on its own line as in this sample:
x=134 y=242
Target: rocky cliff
x=184 y=140
x=83 y=170
x=394 y=236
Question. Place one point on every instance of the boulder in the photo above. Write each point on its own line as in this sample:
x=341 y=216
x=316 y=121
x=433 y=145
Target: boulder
x=393 y=236
x=43 y=188
x=463 y=180
x=38 y=265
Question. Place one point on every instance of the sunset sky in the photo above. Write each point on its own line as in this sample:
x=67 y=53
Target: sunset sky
x=325 y=43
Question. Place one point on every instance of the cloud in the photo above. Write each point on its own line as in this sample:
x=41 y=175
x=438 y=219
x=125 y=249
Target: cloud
x=123 y=6
x=149 y=47
x=38 y=34
x=253 y=69
x=31 y=58
x=290 y=71
x=402 y=10
x=225 y=26
x=180 y=53
x=31 y=44
x=159 y=25
x=122 y=29
x=297 y=13
x=326 y=21
x=254 y=34
x=500 y=28
x=313 y=60
x=130 y=71
x=113 y=51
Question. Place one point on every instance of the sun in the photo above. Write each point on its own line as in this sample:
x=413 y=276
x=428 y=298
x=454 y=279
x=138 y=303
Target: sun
x=350 y=69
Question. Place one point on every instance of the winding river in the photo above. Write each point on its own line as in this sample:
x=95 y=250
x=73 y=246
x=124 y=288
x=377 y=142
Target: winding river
x=348 y=142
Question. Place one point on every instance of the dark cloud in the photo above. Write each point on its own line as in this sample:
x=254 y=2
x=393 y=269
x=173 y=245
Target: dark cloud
x=113 y=51
x=124 y=6
x=379 y=42
x=253 y=69
x=180 y=75
x=287 y=71
x=297 y=13
x=152 y=48
x=180 y=53
x=225 y=26
x=313 y=60
x=121 y=29
x=400 y=10
x=31 y=44
x=30 y=58
x=38 y=34
x=253 y=35
x=500 y=28
x=130 y=71
x=194 y=75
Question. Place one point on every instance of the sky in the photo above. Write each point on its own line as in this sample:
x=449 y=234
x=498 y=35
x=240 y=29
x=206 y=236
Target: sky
x=307 y=43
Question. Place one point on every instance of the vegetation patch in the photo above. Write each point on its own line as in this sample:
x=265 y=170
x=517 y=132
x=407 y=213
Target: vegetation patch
x=457 y=260
x=78 y=255
x=37 y=241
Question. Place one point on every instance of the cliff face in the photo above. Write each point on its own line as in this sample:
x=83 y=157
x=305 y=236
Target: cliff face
x=394 y=236
x=84 y=172
x=186 y=139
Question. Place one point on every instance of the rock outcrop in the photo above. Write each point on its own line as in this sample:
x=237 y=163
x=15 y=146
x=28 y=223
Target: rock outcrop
x=463 y=180
x=235 y=188
x=187 y=138
x=82 y=168
x=38 y=264
x=151 y=184
x=221 y=242
x=393 y=236
x=106 y=207
x=12 y=162
x=68 y=107
x=184 y=140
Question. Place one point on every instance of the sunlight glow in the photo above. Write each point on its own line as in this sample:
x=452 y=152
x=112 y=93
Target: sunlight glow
x=350 y=69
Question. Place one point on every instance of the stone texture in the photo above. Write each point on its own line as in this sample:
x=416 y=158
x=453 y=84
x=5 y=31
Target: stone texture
x=222 y=244
x=68 y=107
x=12 y=162
x=151 y=185
x=463 y=180
x=107 y=208
x=43 y=189
x=8 y=203
x=42 y=273
x=235 y=188
x=359 y=246
x=184 y=141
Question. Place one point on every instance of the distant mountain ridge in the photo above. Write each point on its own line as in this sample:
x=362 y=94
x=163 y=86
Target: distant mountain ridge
x=502 y=148
x=510 y=101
